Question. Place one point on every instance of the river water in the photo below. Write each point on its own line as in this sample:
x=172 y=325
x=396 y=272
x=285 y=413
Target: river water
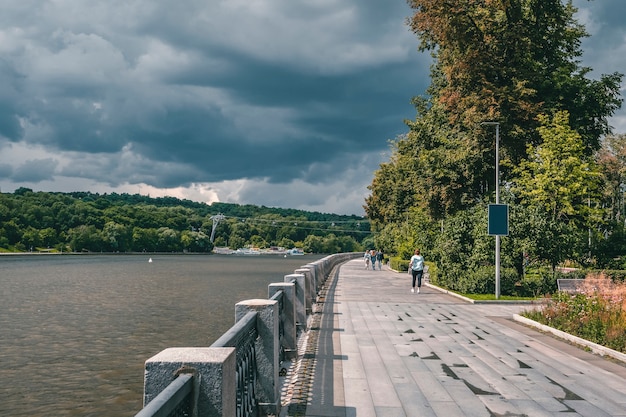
x=75 y=331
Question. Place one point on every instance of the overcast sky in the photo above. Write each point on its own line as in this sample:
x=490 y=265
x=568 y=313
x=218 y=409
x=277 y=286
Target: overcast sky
x=282 y=103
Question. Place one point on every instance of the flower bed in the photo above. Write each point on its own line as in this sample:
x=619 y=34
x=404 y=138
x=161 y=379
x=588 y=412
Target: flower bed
x=596 y=312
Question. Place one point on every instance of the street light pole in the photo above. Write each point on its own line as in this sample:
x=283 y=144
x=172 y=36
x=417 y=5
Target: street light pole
x=497 y=124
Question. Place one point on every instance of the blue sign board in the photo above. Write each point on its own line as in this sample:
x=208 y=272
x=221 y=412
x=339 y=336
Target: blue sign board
x=498 y=220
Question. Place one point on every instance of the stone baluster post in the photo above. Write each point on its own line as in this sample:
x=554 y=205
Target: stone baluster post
x=290 y=341
x=310 y=291
x=267 y=351
x=214 y=371
x=300 y=299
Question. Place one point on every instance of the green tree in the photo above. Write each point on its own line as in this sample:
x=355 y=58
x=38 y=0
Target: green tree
x=313 y=244
x=236 y=242
x=85 y=238
x=610 y=245
x=145 y=240
x=258 y=241
x=12 y=232
x=499 y=60
x=509 y=61
x=558 y=177
x=560 y=182
x=349 y=244
x=286 y=243
x=462 y=246
x=116 y=237
x=331 y=244
x=194 y=241
x=220 y=241
x=5 y=212
x=612 y=160
x=168 y=240
x=23 y=191
x=48 y=236
x=30 y=238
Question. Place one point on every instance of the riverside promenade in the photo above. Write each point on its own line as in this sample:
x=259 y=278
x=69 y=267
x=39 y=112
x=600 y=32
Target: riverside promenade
x=375 y=349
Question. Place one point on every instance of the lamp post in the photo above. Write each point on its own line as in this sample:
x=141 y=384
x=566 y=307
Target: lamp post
x=497 y=124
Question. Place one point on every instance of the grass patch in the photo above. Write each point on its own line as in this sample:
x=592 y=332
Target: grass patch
x=489 y=297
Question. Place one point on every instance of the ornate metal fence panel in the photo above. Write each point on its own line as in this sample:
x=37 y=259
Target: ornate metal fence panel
x=242 y=336
x=246 y=379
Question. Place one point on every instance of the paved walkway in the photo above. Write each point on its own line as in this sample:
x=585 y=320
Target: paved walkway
x=376 y=349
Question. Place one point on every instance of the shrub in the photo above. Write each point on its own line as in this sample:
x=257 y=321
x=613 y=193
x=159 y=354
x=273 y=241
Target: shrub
x=597 y=313
x=617 y=263
x=539 y=281
x=482 y=281
x=398 y=263
x=615 y=275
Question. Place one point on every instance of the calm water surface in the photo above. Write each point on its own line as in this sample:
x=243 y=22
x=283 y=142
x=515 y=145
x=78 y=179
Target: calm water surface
x=75 y=331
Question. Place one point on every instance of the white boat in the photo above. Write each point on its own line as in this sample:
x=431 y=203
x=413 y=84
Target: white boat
x=221 y=250
x=247 y=251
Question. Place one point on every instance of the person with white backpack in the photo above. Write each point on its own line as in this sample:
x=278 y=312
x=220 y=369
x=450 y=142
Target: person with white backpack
x=416 y=269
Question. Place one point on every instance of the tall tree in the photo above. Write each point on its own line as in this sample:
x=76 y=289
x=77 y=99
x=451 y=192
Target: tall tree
x=612 y=159
x=559 y=181
x=511 y=60
x=495 y=60
x=558 y=177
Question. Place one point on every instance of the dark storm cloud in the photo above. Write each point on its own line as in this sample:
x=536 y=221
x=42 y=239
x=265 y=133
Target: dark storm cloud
x=6 y=170
x=298 y=98
x=189 y=94
x=605 y=47
x=35 y=170
x=302 y=120
x=9 y=99
x=608 y=13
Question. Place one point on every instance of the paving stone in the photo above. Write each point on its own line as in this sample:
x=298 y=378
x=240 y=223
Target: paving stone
x=450 y=409
x=390 y=412
x=431 y=387
x=464 y=399
x=587 y=409
x=532 y=408
x=433 y=355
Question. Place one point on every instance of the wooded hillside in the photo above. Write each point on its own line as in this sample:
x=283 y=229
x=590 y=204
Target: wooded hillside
x=84 y=221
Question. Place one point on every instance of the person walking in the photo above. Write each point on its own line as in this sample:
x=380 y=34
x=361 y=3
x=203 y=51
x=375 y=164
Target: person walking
x=366 y=258
x=416 y=269
x=373 y=259
x=379 y=259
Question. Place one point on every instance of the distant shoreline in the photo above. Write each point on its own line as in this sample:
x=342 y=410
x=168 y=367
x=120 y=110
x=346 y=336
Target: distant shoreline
x=100 y=253
x=133 y=253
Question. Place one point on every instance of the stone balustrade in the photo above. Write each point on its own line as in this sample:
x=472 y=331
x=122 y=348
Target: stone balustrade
x=238 y=375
